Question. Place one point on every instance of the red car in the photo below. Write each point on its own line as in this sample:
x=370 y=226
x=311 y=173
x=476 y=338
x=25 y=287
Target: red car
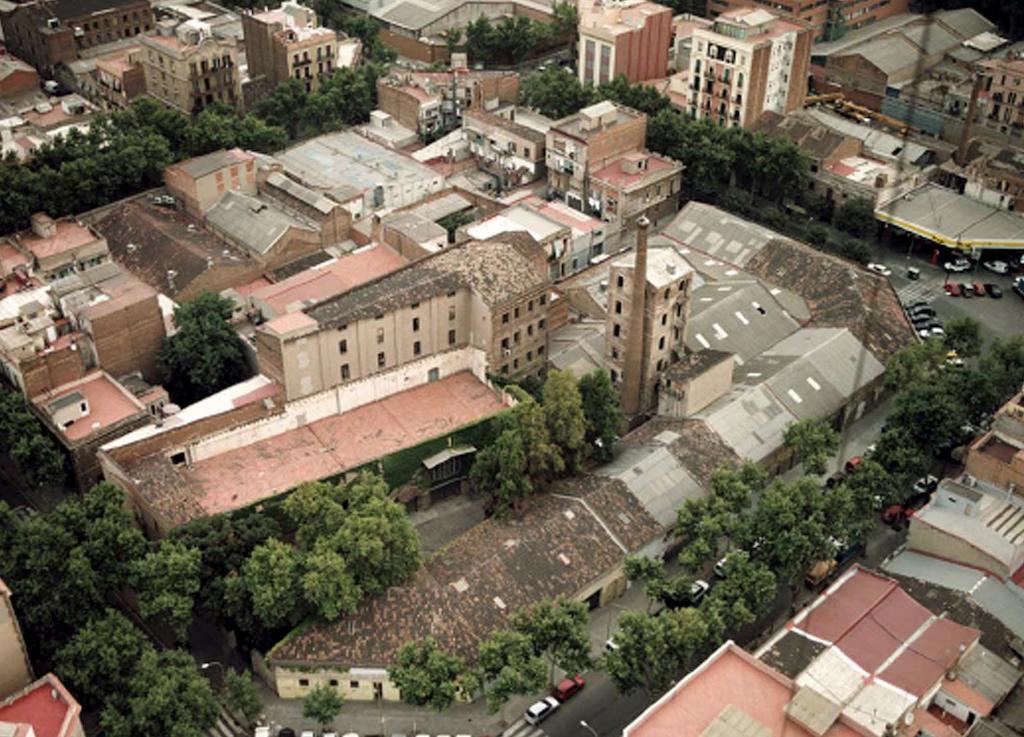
x=952 y=289
x=979 y=288
x=568 y=688
x=851 y=465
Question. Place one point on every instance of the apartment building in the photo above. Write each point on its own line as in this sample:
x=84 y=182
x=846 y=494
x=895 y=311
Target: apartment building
x=484 y=295
x=826 y=18
x=111 y=80
x=639 y=183
x=624 y=37
x=586 y=142
x=1003 y=86
x=201 y=182
x=15 y=668
x=749 y=62
x=16 y=77
x=288 y=43
x=666 y=308
x=48 y=33
x=504 y=147
x=60 y=248
x=190 y=69
x=430 y=102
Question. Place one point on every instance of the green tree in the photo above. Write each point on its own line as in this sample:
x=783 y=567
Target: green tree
x=563 y=410
x=745 y=593
x=914 y=363
x=556 y=92
x=205 y=355
x=167 y=581
x=651 y=573
x=284 y=106
x=509 y=666
x=869 y=487
x=601 y=412
x=565 y=22
x=166 y=695
x=452 y=39
x=558 y=631
x=812 y=443
x=327 y=584
x=963 y=335
x=856 y=217
x=500 y=469
x=271 y=579
x=98 y=661
x=322 y=704
x=652 y=653
x=426 y=675
x=241 y=695
x=31 y=447
x=479 y=39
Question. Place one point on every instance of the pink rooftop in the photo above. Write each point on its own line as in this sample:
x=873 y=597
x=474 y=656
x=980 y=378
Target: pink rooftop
x=614 y=175
x=255 y=472
x=45 y=705
x=324 y=282
x=108 y=404
x=729 y=677
x=69 y=235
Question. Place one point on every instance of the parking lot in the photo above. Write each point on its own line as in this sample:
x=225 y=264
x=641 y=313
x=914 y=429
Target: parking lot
x=999 y=318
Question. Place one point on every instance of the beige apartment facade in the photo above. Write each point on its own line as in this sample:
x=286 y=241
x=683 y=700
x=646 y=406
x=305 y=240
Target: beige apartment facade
x=586 y=142
x=15 y=670
x=191 y=70
x=482 y=295
x=201 y=182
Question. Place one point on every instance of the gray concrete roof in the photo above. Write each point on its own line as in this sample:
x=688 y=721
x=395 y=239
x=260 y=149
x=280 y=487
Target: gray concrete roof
x=254 y=223
x=314 y=199
x=750 y=421
x=656 y=478
x=719 y=234
x=443 y=206
x=948 y=218
x=740 y=317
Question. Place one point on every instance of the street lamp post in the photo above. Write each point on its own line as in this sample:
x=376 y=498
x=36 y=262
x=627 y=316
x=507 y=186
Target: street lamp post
x=587 y=727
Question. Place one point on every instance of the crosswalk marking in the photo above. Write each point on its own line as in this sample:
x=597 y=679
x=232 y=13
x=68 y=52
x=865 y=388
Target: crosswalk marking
x=522 y=729
x=917 y=291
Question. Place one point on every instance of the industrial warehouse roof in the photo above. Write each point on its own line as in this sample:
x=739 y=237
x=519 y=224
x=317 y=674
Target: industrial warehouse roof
x=255 y=223
x=954 y=220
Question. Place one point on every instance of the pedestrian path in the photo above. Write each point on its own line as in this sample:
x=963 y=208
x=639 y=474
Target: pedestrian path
x=226 y=726
x=520 y=728
x=917 y=291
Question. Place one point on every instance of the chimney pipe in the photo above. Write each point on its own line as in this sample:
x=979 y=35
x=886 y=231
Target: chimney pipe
x=633 y=366
x=972 y=108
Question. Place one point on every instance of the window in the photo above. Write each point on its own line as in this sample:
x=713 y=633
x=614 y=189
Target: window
x=515 y=337
x=661 y=343
x=415 y=324
x=620 y=282
x=504 y=318
x=667 y=293
x=529 y=355
x=334 y=682
x=515 y=363
x=451 y=313
x=529 y=329
x=303 y=682
x=540 y=351
x=541 y=323
x=342 y=347
x=616 y=330
x=416 y=349
x=615 y=354
x=529 y=306
x=517 y=312
x=504 y=343
x=178 y=459
x=414 y=305
x=345 y=373
x=381 y=361
x=353 y=684
x=543 y=299
x=618 y=307
x=451 y=337
x=380 y=335
x=504 y=368
x=664 y=319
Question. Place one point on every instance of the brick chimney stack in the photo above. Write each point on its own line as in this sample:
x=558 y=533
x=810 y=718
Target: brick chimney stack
x=633 y=366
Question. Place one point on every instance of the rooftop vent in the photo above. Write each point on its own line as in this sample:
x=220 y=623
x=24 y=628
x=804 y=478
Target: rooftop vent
x=498 y=602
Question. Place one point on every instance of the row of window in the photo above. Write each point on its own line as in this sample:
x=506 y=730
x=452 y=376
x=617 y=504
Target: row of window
x=529 y=308
x=515 y=361
x=517 y=335
x=382 y=361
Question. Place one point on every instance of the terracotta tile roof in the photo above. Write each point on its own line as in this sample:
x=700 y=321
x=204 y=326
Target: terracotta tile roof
x=472 y=586
x=838 y=293
x=108 y=404
x=698 y=448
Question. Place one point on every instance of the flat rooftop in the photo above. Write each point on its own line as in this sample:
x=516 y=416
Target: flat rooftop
x=247 y=475
x=108 y=403
x=69 y=235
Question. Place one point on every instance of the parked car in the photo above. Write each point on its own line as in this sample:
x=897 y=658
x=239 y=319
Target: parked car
x=541 y=710
x=307 y=733
x=834 y=479
x=997 y=267
x=697 y=591
x=926 y=485
x=286 y=732
x=978 y=288
x=952 y=289
x=880 y=269
x=1018 y=286
x=568 y=687
x=851 y=465
x=915 y=304
x=966 y=290
x=610 y=645
x=957 y=264
x=922 y=310
x=993 y=291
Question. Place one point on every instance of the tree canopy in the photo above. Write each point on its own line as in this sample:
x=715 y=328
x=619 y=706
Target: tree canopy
x=37 y=456
x=812 y=443
x=167 y=581
x=425 y=675
x=205 y=355
x=509 y=666
x=322 y=704
x=601 y=412
x=558 y=631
